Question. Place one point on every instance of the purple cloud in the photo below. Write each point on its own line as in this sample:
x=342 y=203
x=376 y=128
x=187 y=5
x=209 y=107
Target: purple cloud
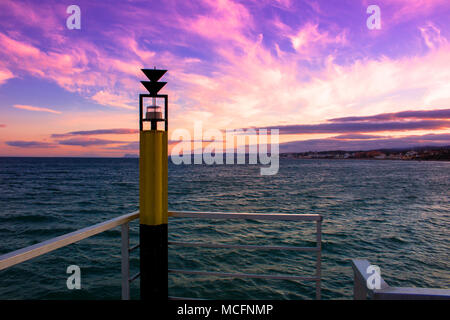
x=129 y=146
x=86 y=142
x=432 y=136
x=30 y=144
x=356 y=136
x=347 y=127
x=404 y=115
x=95 y=132
x=364 y=144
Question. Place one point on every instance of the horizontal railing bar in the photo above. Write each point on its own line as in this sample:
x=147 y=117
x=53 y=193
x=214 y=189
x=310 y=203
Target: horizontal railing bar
x=27 y=253
x=134 y=247
x=182 y=298
x=252 y=216
x=243 y=275
x=400 y=293
x=235 y=246
x=134 y=277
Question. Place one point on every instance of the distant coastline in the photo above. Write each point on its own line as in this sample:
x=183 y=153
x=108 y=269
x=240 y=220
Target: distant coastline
x=418 y=154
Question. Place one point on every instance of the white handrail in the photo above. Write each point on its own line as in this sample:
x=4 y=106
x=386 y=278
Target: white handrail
x=27 y=253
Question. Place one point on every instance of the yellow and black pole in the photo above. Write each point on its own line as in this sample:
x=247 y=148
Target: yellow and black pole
x=153 y=160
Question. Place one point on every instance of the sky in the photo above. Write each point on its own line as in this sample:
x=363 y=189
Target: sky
x=312 y=69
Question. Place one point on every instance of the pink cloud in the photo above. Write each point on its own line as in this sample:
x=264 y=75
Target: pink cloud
x=43 y=17
x=309 y=37
x=5 y=75
x=62 y=67
x=84 y=68
x=21 y=49
x=233 y=94
x=225 y=20
x=32 y=108
x=80 y=67
x=115 y=100
x=432 y=36
x=412 y=8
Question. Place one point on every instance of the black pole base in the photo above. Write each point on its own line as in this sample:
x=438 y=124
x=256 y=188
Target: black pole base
x=153 y=262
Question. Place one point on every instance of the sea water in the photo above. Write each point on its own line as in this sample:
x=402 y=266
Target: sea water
x=396 y=214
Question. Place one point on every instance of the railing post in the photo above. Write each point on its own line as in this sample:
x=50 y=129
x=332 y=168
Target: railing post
x=359 y=287
x=319 y=257
x=360 y=290
x=125 y=261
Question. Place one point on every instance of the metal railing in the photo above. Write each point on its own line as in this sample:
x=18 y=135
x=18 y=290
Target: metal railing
x=15 y=257
x=12 y=258
x=362 y=292
x=256 y=216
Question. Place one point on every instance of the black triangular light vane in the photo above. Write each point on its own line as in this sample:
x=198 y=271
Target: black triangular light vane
x=153 y=87
x=154 y=74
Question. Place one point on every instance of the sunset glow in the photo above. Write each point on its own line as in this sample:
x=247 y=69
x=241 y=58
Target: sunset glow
x=311 y=69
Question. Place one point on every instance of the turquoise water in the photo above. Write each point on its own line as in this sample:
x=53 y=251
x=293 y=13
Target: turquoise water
x=394 y=213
